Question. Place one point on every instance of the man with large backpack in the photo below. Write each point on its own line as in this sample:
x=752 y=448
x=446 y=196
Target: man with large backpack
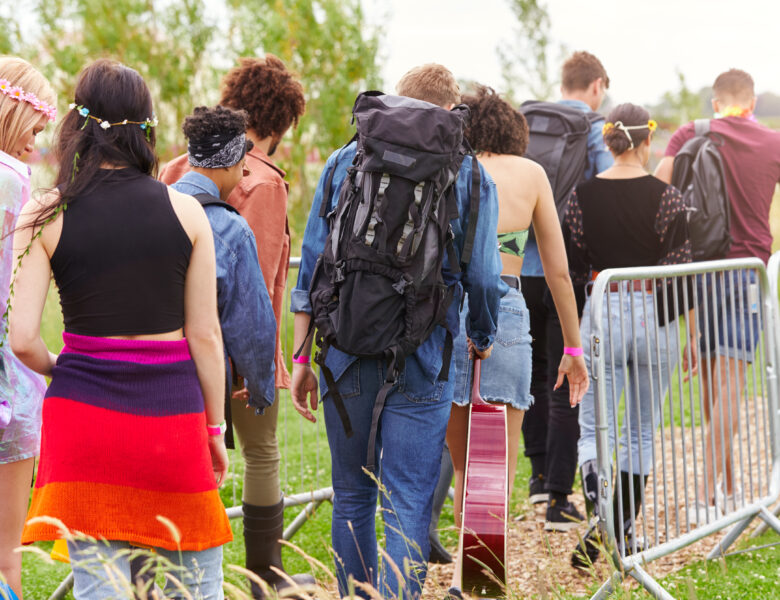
x=750 y=155
x=565 y=138
x=402 y=222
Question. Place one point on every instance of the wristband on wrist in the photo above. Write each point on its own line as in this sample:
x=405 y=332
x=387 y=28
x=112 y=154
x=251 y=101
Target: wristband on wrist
x=573 y=351
x=217 y=429
x=302 y=360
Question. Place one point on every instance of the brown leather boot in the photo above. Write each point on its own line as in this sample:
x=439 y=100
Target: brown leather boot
x=263 y=528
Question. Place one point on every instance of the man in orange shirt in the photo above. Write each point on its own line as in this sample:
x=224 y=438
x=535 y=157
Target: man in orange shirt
x=274 y=100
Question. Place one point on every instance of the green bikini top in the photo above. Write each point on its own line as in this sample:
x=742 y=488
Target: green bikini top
x=513 y=242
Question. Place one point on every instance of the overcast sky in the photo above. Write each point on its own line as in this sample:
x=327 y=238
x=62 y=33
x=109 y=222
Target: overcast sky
x=641 y=42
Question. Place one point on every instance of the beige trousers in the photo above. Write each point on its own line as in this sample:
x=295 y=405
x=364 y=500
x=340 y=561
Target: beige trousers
x=257 y=438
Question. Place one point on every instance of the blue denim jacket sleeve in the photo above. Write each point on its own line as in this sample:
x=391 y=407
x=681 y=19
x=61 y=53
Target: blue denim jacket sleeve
x=599 y=158
x=316 y=232
x=245 y=311
x=482 y=279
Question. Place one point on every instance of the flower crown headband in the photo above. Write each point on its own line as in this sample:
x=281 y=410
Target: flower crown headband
x=16 y=93
x=651 y=125
x=84 y=112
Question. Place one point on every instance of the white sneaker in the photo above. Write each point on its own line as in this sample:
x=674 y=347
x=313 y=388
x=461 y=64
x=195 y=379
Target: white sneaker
x=733 y=501
x=701 y=514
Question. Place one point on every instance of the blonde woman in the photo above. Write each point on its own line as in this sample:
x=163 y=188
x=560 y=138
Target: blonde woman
x=26 y=106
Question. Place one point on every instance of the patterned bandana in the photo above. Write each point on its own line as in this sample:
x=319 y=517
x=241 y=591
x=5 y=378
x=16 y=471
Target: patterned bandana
x=216 y=151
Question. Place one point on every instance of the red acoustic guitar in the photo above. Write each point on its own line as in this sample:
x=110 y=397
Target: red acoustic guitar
x=483 y=532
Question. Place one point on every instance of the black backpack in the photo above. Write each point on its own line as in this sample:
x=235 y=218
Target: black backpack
x=558 y=141
x=377 y=289
x=699 y=174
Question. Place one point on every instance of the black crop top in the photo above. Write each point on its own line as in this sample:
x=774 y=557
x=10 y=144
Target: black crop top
x=122 y=258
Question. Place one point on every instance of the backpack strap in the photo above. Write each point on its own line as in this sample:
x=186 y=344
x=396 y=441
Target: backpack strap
x=210 y=200
x=396 y=365
x=326 y=198
x=471 y=231
x=701 y=127
x=333 y=387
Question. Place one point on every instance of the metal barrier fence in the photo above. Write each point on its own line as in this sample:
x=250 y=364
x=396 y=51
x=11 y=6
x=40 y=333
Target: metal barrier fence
x=305 y=482
x=773 y=271
x=696 y=453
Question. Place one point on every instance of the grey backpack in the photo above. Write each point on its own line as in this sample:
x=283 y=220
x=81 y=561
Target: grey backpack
x=699 y=174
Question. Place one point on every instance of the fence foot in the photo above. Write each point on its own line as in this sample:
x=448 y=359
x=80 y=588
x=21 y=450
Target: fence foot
x=720 y=549
x=764 y=525
x=770 y=519
x=650 y=584
x=606 y=590
x=63 y=589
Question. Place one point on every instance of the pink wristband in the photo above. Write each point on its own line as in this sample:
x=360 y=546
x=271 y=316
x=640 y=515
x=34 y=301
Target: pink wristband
x=302 y=360
x=572 y=351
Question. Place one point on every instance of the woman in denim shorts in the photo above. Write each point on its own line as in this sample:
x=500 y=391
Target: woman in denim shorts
x=499 y=135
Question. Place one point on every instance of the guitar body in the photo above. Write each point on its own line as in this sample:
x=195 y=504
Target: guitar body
x=485 y=493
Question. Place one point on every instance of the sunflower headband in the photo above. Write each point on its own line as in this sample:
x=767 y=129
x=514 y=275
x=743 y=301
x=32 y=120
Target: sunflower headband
x=17 y=93
x=146 y=125
x=651 y=125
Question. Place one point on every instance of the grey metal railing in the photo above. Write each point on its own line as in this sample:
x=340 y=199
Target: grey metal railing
x=698 y=452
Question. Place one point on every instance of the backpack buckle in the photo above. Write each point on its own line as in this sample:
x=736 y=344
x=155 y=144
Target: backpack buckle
x=338 y=272
x=400 y=285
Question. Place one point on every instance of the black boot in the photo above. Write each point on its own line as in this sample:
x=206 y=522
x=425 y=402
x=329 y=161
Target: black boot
x=587 y=551
x=439 y=554
x=636 y=483
x=263 y=528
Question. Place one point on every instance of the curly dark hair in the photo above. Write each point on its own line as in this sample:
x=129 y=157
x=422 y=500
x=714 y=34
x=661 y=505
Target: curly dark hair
x=630 y=115
x=205 y=121
x=267 y=91
x=495 y=125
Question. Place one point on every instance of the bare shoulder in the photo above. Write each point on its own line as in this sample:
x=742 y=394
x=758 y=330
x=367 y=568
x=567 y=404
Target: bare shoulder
x=531 y=169
x=189 y=212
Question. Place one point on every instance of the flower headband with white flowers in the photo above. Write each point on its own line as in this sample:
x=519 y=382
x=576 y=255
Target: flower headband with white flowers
x=16 y=93
x=84 y=112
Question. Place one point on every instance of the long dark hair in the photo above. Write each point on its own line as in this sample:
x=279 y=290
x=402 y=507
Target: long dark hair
x=112 y=92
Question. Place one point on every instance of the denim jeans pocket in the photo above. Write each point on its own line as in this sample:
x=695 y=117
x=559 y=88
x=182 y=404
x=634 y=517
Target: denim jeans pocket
x=348 y=384
x=419 y=389
x=513 y=324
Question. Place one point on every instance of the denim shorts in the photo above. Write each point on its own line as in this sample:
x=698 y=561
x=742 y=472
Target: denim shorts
x=736 y=333
x=506 y=375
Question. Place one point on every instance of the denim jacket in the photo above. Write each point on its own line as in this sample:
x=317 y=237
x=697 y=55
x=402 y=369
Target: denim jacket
x=481 y=280
x=245 y=312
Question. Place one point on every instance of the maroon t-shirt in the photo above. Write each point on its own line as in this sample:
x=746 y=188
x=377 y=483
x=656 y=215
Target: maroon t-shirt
x=751 y=157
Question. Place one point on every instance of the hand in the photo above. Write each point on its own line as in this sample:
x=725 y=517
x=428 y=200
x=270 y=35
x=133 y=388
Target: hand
x=219 y=458
x=573 y=367
x=475 y=353
x=304 y=383
x=242 y=394
x=694 y=363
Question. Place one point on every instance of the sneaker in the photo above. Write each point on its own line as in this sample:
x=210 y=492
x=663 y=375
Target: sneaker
x=587 y=552
x=536 y=493
x=562 y=517
x=730 y=502
x=701 y=514
x=454 y=593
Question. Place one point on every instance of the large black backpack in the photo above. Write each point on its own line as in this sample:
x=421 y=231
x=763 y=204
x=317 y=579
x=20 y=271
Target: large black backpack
x=377 y=289
x=558 y=141
x=699 y=174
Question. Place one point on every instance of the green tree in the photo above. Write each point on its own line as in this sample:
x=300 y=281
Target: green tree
x=525 y=60
x=329 y=45
x=166 y=42
x=683 y=104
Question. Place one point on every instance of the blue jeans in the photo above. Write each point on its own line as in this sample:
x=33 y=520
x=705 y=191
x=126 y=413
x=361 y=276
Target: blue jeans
x=409 y=443
x=101 y=571
x=632 y=365
x=729 y=328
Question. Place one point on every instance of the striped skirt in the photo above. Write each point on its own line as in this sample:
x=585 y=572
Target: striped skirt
x=124 y=442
